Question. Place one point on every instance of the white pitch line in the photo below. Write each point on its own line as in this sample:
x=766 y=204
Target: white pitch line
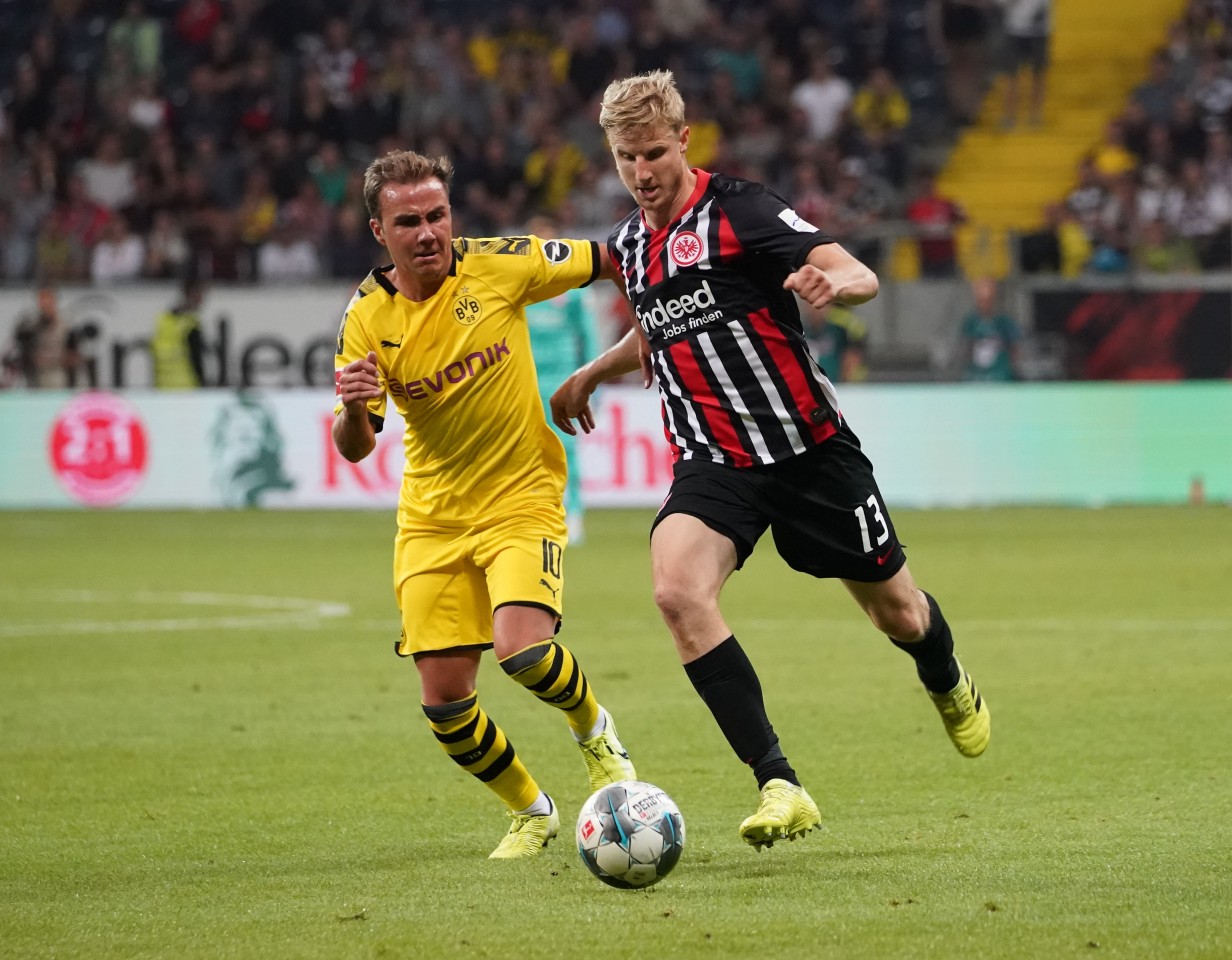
x=286 y=611
x=151 y=626
x=306 y=613
x=194 y=598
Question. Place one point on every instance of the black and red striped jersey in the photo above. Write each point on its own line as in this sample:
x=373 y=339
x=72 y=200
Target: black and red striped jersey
x=737 y=381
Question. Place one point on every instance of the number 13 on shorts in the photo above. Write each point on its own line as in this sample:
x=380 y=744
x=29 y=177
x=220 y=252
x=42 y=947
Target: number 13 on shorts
x=870 y=518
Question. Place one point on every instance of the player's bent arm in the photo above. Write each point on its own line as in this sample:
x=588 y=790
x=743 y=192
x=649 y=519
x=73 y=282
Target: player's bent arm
x=854 y=281
x=607 y=269
x=571 y=401
x=831 y=274
x=353 y=433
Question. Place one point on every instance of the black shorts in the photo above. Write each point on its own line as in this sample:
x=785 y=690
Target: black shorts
x=823 y=508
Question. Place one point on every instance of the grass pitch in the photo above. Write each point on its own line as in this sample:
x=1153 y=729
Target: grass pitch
x=208 y=750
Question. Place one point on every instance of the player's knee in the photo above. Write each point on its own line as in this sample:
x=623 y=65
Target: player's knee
x=678 y=602
x=902 y=621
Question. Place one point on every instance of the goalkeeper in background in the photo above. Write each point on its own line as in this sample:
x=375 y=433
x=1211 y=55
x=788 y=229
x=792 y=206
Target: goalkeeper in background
x=563 y=336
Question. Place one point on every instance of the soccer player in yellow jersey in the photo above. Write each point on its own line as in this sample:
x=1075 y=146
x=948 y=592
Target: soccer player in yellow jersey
x=481 y=528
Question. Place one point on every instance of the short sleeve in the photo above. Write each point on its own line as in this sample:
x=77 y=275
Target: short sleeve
x=353 y=344
x=766 y=224
x=558 y=265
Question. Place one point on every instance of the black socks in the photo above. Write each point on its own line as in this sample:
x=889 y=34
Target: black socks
x=727 y=683
x=934 y=652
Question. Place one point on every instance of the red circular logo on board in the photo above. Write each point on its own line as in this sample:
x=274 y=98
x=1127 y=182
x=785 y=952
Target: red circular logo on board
x=686 y=248
x=97 y=449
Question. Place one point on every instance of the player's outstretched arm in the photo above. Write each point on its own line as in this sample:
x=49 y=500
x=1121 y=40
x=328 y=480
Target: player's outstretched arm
x=353 y=434
x=831 y=274
x=571 y=401
x=608 y=270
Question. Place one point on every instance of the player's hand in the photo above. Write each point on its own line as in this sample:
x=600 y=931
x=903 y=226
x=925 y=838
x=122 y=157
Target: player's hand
x=572 y=401
x=814 y=286
x=358 y=382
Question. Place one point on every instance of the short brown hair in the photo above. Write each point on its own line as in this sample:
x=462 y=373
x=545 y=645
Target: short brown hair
x=644 y=100
x=402 y=166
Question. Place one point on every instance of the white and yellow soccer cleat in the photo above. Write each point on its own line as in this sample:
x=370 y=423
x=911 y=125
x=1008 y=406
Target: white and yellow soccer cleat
x=527 y=836
x=966 y=716
x=786 y=812
x=607 y=761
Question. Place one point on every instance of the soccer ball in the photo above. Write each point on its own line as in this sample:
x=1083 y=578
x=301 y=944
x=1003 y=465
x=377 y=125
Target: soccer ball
x=630 y=834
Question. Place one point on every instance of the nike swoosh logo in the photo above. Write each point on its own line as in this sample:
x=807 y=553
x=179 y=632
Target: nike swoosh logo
x=392 y=343
x=881 y=560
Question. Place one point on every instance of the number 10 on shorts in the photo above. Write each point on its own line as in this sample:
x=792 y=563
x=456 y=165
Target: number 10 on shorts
x=552 y=553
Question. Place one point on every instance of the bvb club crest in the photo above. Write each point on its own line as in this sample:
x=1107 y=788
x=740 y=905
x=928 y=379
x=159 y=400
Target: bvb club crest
x=467 y=309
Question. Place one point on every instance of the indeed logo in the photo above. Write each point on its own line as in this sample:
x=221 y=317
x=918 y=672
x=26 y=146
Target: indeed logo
x=663 y=313
x=456 y=372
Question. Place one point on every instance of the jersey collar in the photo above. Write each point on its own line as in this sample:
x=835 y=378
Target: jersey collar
x=703 y=181
x=379 y=273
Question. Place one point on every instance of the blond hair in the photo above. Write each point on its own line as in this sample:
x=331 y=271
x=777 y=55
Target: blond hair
x=648 y=99
x=402 y=166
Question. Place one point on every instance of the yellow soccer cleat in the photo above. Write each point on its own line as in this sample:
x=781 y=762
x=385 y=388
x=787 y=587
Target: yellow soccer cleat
x=786 y=812
x=527 y=835
x=607 y=761
x=966 y=716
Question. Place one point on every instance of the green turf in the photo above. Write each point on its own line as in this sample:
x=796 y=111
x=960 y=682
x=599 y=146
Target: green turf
x=200 y=758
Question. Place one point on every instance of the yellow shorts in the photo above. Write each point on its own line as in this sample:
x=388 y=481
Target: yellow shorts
x=448 y=581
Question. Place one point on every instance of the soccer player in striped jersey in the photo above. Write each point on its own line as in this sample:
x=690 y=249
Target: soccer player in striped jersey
x=442 y=334
x=713 y=265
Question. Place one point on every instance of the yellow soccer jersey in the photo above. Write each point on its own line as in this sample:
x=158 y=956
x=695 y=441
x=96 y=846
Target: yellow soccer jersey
x=458 y=367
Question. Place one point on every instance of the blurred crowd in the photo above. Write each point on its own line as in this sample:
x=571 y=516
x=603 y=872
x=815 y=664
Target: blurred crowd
x=1155 y=194
x=226 y=139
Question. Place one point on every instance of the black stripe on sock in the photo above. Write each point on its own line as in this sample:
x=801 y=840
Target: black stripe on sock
x=462 y=733
x=558 y=661
x=570 y=687
x=498 y=766
x=581 y=696
x=439 y=713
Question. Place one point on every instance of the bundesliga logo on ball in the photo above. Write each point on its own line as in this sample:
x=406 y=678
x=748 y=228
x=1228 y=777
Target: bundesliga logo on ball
x=630 y=834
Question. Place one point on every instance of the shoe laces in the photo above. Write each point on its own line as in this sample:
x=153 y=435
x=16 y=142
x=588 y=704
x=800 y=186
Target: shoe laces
x=522 y=820
x=961 y=702
x=594 y=755
x=776 y=797
x=598 y=747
